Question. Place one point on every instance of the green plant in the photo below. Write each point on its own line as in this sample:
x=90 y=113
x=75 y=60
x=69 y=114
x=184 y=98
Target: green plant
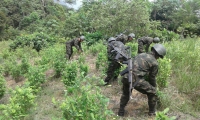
x=164 y=100
x=84 y=69
x=98 y=47
x=35 y=77
x=101 y=60
x=85 y=104
x=21 y=101
x=92 y=38
x=2 y=85
x=59 y=65
x=164 y=72
x=70 y=74
x=162 y=115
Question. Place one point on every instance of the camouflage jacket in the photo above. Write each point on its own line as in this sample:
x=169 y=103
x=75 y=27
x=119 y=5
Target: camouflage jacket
x=144 y=41
x=111 y=50
x=74 y=42
x=145 y=64
x=123 y=38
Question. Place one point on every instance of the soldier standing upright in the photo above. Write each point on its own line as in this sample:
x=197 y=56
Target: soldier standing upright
x=74 y=42
x=144 y=64
x=124 y=39
x=146 y=41
x=113 y=58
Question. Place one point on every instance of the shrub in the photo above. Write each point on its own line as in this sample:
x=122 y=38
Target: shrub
x=85 y=104
x=70 y=74
x=162 y=115
x=84 y=69
x=37 y=40
x=2 y=84
x=164 y=72
x=20 y=103
x=92 y=38
x=35 y=77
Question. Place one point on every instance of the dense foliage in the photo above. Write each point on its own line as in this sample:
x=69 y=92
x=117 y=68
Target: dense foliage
x=37 y=29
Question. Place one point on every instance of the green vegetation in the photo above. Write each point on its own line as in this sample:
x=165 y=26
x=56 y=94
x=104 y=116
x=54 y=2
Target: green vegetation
x=37 y=82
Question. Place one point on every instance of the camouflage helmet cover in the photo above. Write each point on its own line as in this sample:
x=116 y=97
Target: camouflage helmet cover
x=160 y=49
x=156 y=40
x=111 y=39
x=82 y=37
x=132 y=35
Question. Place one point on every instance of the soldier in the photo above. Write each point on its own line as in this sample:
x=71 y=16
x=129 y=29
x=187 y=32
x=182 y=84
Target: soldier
x=124 y=39
x=114 y=61
x=74 y=42
x=146 y=41
x=144 y=64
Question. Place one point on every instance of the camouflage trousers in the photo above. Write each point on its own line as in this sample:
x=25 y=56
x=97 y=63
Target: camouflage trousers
x=69 y=51
x=143 y=87
x=113 y=70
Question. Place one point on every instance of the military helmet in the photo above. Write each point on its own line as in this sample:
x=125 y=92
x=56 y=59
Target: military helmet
x=82 y=37
x=160 y=49
x=156 y=40
x=111 y=39
x=132 y=35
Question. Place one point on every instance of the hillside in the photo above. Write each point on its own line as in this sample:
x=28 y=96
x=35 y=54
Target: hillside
x=54 y=89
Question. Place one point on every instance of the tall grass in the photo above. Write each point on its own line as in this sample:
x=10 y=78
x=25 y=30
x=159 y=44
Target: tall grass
x=185 y=56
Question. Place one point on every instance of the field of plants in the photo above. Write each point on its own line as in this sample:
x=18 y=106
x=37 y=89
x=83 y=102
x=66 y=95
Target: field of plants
x=44 y=85
x=38 y=83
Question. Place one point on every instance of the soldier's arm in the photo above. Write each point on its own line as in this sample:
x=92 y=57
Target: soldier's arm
x=152 y=75
x=147 y=47
x=140 y=46
x=109 y=51
x=77 y=45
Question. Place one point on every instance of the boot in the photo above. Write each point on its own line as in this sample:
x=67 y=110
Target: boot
x=121 y=112
x=152 y=110
x=106 y=81
x=151 y=113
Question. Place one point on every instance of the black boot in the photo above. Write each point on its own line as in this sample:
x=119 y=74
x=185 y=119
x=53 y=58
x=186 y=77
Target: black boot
x=106 y=81
x=121 y=112
x=152 y=110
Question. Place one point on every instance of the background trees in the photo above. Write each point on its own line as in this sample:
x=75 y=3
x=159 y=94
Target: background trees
x=110 y=17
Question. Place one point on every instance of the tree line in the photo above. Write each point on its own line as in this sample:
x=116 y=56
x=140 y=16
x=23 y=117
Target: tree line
x=167 y=19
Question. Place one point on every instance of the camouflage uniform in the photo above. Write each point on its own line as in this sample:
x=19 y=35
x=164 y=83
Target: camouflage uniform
x=144 y=41
x=113 y=65
x=69 y=44
x=123 y=38
x=144 y=64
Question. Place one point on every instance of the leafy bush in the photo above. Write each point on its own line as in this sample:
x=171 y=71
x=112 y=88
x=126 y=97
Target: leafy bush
x=21 y=41
x=164 y=35
x=134 y=48
x=85 y=104
x=59 y=65
x=101 y=61
x=162 y=115
x=70 y=74
x=21 y=101
x=164 y=72
x=84 y=69
x=27 y=20
x=37 y=40
x=92 y=38
x=2 y=84
x=35 y=77
x=18 y=70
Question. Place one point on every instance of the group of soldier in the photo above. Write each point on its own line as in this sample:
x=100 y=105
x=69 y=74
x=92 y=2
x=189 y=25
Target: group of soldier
x=144 y=65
